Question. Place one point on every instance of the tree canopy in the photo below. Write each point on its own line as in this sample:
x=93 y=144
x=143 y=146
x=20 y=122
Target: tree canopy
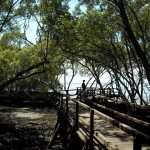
x=110 y=37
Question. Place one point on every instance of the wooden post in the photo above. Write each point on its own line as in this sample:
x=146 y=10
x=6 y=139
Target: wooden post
x=61 y=101
x=110 y=92
x=77 y=116
x=137 y=145
x=91 y=129
x=94 y=91
x=77 y=92
x=67 y=99
x=103 y=91
x=80 y=94
x=100 y=91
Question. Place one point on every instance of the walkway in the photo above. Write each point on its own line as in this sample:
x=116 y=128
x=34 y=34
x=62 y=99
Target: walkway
x=96 y=129
x=105 y=133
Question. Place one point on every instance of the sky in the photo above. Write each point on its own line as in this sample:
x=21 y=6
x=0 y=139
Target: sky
x=72 y=4
x=31 y=32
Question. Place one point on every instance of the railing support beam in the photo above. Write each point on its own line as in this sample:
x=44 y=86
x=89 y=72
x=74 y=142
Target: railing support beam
x=91 y=146
x=77 y=116
x=137 y=145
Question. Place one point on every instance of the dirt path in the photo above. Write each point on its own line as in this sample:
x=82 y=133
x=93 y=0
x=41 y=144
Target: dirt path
x=26 y=128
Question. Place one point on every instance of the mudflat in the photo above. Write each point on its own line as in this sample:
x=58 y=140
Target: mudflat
x=27 y=128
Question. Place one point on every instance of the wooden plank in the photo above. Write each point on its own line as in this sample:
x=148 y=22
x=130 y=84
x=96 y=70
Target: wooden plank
x=103 y=140
x=105 y=131
x=145 y=147
x=123 y=102
x=84 y=122
x=123 y=127
x=110 y=142
x=113 y=142
x=111 y=132
x=81 y=136
x=121 y=146
x=127 y=117
x=85 y=106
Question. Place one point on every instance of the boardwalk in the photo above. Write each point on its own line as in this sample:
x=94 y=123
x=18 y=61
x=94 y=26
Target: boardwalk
x=96 y=129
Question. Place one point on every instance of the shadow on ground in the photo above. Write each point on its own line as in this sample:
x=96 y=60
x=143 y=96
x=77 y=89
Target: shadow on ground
x=26 y=128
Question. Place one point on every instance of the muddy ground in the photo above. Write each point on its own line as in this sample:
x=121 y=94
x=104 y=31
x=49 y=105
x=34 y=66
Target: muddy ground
x=26 y=128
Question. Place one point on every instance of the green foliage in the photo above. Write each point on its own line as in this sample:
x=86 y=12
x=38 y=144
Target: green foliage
x=95 y=38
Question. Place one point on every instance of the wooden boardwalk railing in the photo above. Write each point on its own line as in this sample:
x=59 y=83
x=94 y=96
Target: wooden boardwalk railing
x=95 y=129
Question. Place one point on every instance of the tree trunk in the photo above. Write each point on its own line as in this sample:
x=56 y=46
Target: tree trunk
x=140 y=53
x=19 y=74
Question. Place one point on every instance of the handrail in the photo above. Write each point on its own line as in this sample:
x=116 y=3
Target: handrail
x=118 y=124
x=111 y=120
x=104 y=97
x=121 y=101
x=131 y=131
x=144 y=123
